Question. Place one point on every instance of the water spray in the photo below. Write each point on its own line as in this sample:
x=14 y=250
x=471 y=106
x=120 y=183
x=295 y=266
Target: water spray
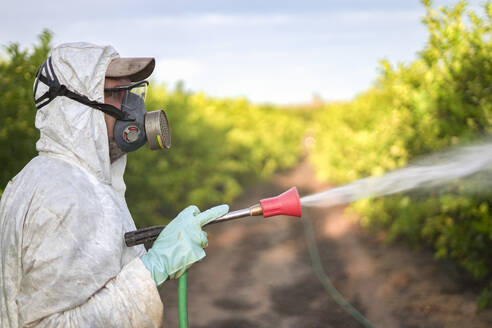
x=472 y=164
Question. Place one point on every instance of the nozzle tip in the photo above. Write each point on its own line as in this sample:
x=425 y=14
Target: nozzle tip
x=287 y=203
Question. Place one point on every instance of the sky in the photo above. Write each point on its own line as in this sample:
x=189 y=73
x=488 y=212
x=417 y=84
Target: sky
x=277 y=51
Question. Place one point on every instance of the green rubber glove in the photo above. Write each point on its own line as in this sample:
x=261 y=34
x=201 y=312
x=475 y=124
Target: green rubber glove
x=181 y=243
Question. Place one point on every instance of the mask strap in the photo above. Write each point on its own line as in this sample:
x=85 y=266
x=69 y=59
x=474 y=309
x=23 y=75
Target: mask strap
x=56 y=89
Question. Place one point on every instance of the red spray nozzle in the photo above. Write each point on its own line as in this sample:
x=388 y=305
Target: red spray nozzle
x=287 y=203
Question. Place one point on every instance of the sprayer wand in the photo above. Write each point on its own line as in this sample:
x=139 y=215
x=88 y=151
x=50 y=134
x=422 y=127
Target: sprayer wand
x=287 y=203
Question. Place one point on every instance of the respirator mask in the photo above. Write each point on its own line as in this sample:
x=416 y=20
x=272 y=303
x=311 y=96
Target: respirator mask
x=134 y=125
x=142 y=126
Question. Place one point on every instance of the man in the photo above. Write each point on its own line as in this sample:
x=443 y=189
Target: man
x=64 y=262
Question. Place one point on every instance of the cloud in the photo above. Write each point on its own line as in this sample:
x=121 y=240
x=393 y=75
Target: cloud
x=212 y=19
x=280 y=54
x=175 y=69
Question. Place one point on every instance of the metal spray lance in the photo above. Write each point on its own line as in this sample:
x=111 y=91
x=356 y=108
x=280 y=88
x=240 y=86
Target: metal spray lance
x=287 y=203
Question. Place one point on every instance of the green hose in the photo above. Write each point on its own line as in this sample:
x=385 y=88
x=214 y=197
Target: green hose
x=182 y=301
x=323 y=277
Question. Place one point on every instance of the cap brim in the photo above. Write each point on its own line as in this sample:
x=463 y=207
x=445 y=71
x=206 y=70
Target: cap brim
x=137 y=69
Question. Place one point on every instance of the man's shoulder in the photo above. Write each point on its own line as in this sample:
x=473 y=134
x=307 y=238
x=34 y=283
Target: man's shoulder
x=53 y=177
x=48 y=187
x=61 y=188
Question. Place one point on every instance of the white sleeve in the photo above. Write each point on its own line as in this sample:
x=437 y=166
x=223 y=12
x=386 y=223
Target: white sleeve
x=130 y=299
x=76 y=270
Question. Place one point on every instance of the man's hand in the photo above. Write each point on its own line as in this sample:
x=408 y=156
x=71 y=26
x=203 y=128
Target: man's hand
x=181 y=243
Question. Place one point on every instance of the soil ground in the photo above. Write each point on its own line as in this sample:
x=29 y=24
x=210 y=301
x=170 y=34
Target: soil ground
x=258 y=273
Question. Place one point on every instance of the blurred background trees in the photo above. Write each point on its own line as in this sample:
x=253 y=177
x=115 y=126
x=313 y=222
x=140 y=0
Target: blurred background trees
x=442 y=98
x=17 y=111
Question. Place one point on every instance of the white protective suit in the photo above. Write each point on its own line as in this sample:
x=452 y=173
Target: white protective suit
x=64 y=262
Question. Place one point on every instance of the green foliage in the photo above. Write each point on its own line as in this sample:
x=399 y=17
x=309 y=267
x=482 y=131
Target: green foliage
x=17 y=132
x=485 y=299
x=442 y=98
x=219 y=146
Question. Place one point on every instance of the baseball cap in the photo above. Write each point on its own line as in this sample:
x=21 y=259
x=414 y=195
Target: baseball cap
x=137 y=69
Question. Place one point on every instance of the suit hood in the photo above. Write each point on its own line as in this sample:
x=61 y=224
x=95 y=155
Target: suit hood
x=71 y=130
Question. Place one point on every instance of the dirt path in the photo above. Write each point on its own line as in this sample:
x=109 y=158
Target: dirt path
x=258 y=273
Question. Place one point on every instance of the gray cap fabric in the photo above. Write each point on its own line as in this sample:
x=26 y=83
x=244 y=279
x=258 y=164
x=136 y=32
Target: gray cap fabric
x=137 y=69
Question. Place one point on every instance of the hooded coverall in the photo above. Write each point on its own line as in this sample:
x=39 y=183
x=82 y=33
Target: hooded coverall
x=64 y=262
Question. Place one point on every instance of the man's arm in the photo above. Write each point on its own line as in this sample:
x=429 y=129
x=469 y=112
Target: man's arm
x=128 y=300
x=77 y=271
